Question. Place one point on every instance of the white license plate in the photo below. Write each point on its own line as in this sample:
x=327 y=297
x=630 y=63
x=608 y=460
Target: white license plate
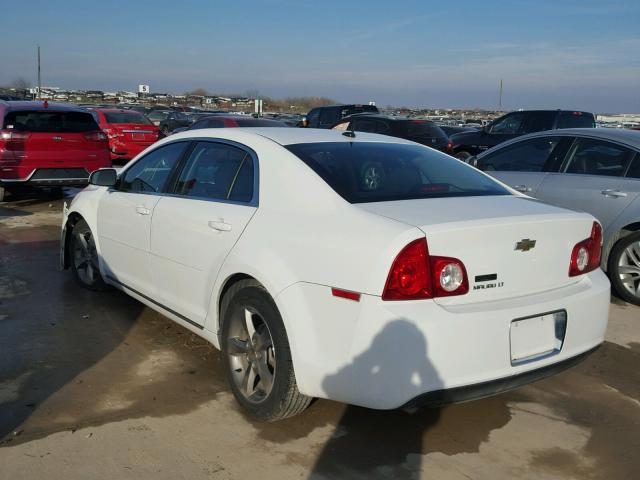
x=535 y=337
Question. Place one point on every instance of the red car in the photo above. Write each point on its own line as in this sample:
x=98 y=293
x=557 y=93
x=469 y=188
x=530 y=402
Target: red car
x=129 y=132
x=48 y=144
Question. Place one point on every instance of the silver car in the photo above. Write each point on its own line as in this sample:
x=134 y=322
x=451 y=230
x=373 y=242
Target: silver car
x=594 y=170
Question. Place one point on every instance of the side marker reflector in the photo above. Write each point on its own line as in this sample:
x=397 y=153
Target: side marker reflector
x=336 y=292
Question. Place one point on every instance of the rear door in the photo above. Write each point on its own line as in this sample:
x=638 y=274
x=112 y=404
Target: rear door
x=195 y=228
x=522 y=165
x=125 y=213
x=592 y=179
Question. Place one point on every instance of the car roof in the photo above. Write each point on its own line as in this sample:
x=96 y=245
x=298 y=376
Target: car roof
x=619 y=135
x=40 y=105
x=288 y=135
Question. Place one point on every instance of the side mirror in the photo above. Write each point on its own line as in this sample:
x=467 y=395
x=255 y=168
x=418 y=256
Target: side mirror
x=105 y=177
x=473 y=161
x=305 y=122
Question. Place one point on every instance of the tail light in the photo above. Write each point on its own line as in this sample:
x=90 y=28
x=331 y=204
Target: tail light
x=586 y=255
x=95 y=136
x=416 y=275
x=13 y=135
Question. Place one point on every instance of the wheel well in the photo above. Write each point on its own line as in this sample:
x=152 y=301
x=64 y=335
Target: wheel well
x=72 y=219
x=633 y=227
x=233 y=279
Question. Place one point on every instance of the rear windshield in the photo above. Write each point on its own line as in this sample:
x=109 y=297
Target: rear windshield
x=378 y=172
x=422 y=128
x=575 y=120
x=257 y=122
x=120 y=117
x=358 y=109
x=50 y=121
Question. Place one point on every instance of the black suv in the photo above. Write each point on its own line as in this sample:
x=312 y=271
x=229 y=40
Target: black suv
x=420 y=131
x=327 y=117
x=513 y=125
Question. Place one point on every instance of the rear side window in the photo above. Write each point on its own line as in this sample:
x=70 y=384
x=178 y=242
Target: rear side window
x=595 y=157
x=538 y=121
x=217 y=171
x=207 y=123
x=118 y=117
x=150 y=173
x=376 y=172
x=359 y=109
x=363 y=125
x=50 y=121
x=527 y=156
x=575 y=120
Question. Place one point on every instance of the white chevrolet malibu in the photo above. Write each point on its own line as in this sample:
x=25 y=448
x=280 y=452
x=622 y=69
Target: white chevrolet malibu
x=351 y=266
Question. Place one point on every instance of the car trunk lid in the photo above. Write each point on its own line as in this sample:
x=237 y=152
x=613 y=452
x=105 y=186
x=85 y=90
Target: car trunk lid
x=510 y=246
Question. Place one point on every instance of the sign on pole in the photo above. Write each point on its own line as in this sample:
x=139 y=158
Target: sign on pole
x=143 y=88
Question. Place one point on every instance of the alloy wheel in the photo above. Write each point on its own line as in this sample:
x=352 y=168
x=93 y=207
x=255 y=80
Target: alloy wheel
x=251 y=355
x=85 y=258
x=629 y=268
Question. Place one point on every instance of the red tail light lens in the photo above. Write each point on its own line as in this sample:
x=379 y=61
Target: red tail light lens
x=586 y=255
x=95 y=136
x=14 y=136
x=416 y=275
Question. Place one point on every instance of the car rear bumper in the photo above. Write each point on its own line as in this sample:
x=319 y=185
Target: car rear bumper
x=50 y=177
x=382 y=354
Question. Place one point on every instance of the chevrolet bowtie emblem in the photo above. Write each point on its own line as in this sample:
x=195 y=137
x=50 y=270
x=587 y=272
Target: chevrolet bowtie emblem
x=525 y=245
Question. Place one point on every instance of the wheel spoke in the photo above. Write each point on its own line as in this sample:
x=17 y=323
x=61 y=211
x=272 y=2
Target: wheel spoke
x=633 y=253
x=249 y=380
x=248 y=325
x=629 y=270
x=266 y=377
x=237 y=346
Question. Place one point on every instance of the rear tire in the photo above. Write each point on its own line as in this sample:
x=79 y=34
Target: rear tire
x=257 y=356
x=84 y=258
x=624 y=268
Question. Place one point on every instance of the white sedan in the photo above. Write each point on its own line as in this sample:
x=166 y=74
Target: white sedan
x=357 y=267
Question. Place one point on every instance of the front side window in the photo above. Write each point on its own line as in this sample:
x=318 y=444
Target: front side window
x=329 y=115
x=150 y=173
x=596 y=157
x=376 y=172
x=527 y=156
x=509 y=124
x=217 y=171
x=634 y=169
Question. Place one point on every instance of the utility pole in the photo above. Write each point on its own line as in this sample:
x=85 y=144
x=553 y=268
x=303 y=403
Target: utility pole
x=39 y=77
x=500 y=97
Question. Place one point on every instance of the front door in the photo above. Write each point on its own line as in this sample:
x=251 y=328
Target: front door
x=125 y=216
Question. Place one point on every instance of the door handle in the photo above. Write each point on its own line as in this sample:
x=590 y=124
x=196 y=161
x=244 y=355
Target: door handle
x=613 y=193
x=143 y=211
x=220 y=225
x=522 y=188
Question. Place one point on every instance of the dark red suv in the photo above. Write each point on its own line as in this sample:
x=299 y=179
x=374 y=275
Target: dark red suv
x=129 y=132
x=48 y=144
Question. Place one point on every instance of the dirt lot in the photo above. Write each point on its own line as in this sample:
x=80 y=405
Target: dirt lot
x=97 y=386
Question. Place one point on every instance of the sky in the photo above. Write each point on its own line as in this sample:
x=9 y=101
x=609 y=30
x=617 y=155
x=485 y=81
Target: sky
x=576 y=54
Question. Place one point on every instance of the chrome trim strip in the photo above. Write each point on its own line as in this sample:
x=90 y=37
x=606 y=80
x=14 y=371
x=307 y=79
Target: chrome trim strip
x=173 y=312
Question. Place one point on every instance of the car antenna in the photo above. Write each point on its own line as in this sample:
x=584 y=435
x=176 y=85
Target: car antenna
x=349 y=133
